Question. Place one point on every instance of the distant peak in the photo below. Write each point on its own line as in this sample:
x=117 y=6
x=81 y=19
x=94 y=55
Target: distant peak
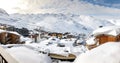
x=3 y=12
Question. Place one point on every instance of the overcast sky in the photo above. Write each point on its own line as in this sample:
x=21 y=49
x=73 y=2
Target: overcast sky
x=57 y=6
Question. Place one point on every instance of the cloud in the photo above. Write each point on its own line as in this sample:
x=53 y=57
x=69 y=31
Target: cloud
x=61 y=6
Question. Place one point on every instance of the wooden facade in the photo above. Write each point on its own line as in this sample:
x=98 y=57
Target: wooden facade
x=9 y=38
x=2 y=37
x=101 y=39
x=118 y=37
x=12 y=38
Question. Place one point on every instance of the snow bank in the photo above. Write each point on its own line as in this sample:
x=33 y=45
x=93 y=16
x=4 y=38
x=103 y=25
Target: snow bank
x=106 y=53
x=25 y=55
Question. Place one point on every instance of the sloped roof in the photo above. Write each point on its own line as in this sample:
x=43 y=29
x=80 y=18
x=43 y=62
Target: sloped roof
x=9 y=32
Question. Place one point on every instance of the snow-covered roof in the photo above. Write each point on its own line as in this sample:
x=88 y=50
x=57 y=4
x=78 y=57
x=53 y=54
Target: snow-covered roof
x=106 y=53
x=2 y=31
x=91 y=41
x=109 y=30
x=13 y=32
x=9 y=32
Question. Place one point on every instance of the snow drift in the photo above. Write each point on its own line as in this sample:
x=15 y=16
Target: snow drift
x=106 y=53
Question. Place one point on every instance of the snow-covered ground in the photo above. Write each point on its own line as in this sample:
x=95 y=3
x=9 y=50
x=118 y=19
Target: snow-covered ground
x=53 y=47
x=38 y=52
x=33 y=52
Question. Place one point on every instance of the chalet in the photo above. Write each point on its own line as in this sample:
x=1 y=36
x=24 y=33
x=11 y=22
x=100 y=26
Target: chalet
x=34 y=37
x=105 y=34
x=66 y=33
x=70 y=36
x=2 y=27
x=43 y=35
x=22 y=31
x=58 y=35
x=103 y=38
x=9 y=37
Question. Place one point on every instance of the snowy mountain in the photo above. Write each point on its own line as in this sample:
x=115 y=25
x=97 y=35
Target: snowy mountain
x=3 y=12
x=55 y=22
x=115 y=21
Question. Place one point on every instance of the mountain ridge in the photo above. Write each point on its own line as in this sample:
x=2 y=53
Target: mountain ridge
x=61 y=22
x=56 y=22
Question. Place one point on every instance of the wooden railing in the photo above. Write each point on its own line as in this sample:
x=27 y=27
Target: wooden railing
x=2 y=59
x=6 y=57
